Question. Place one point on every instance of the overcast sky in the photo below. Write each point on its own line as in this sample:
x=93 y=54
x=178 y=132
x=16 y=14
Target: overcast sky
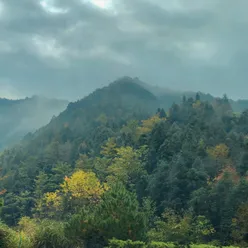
x=67 y=48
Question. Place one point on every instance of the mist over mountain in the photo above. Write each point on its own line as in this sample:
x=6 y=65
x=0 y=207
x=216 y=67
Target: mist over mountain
x=167 y=96
x=18 y=117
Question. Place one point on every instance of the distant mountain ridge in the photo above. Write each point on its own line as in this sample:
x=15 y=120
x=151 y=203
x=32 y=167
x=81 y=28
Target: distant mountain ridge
x=18 y=117
x=92 y=119
x=122 y=100
x=167 y=96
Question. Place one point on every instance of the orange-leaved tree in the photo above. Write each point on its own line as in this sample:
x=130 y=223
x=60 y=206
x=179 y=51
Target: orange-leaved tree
x=2 y=191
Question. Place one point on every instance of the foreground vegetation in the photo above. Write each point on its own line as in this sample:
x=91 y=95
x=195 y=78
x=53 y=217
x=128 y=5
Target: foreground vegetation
x=109 y=173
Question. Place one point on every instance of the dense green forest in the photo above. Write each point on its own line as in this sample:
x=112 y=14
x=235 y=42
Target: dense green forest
x=116 y=169
x=18 y=117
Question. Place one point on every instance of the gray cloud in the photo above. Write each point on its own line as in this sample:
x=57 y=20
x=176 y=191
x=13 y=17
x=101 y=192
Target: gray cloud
x=70 y=48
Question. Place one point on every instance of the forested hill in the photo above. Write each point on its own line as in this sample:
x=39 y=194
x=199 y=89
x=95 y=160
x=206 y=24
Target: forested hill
x=18 y=117
x=116 y=165
x=89 y=122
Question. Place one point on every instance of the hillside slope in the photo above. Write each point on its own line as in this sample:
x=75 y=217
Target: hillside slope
x=94 y=118
x=18 y=117
x=111 y=167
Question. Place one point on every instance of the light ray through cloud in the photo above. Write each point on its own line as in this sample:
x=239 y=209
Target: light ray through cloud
x=48 y=6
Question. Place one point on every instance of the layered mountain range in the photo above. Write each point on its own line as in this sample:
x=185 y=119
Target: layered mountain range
x=20 y=117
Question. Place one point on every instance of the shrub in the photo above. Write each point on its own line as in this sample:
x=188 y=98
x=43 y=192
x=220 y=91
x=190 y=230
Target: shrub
x=28 y=226
x=51 y=234
x=12 y=239
x=203 y=246
x=160 y=245
x=115 y=243
x=209 y=246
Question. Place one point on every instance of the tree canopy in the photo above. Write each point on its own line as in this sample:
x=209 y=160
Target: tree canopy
x=116 y=168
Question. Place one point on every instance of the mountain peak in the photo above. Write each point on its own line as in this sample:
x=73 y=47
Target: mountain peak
x=128 y=85
x=119 y=91
x=127 y=80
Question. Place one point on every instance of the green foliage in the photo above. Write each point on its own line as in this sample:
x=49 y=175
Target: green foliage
x=182 y=231
x=15 y=206
x=118 y=215
x=126 y=166
x=51 y=234
x=121 y=216
x=154 y=244
x=115 y=243
x=240 y=225
x=28 y=226
x=12 y=239
x=172 y=228
x=210 y=246
x=201 y=228
x=192 y=161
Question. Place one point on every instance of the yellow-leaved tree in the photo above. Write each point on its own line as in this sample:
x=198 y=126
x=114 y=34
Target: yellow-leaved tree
x=197 y=104
x=81 y=188
x=223 y=162
x=53 y=199
x=220 y=151
x=50 y=205
x=83 y=185
x=147 y=125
